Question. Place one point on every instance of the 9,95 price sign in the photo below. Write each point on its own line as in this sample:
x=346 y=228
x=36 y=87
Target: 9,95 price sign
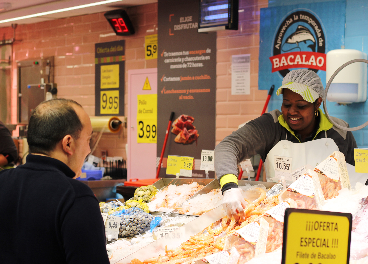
x=109 y=102
x=147 y=118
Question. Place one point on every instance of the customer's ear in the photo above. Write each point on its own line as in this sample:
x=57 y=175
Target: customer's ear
x=68 y=144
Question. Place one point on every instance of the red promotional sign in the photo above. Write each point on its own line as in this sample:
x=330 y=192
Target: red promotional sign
x=310 y=60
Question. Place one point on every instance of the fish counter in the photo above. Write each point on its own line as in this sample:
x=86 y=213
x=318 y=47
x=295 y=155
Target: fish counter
x=182 y=220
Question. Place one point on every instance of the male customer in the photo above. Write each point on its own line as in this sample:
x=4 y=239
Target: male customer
x=45 y=215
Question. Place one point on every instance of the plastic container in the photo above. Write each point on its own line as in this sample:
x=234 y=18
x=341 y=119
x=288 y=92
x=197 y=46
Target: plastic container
x=90 y=175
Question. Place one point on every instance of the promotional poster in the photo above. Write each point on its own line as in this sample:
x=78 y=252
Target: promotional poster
x=186 y=63
x=298 y=36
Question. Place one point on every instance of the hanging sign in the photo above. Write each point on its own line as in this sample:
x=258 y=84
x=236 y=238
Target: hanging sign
x=147 y=118
x=313 y=237
x=109 y=78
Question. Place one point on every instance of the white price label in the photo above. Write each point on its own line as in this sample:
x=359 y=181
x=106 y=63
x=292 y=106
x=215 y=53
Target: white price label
x=278 y=211
x=218 y=258
x=171 y=232
x=207 y=160
x=112 y=226
x=298 y=172
x=186 y=173
x=250 y=232
x=330 y=168
x=283 y=164
x=303 y=185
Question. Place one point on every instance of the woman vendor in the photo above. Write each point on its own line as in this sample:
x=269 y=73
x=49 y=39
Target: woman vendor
x=299 y=135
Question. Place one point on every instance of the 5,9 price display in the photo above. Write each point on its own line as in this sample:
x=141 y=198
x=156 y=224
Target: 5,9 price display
x=109 y=102
x=147 y=118
x=151 y=47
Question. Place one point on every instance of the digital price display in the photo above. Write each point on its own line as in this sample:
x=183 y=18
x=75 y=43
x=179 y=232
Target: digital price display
x=120 y=22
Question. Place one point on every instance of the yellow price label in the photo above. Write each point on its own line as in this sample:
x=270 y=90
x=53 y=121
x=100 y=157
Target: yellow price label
x=109 y=102
x=147 y=118
x=110 y=76
x=361 y=160
x=314 y=237
x=151 y=47
x=177 y=163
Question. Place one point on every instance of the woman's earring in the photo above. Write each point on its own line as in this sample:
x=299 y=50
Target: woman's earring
x=316 y=113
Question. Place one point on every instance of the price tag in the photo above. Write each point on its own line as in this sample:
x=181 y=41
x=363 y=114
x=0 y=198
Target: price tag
x=177 y=164
x=250 y=232
x=112 y=226
x=361 y=160
x=218 y=258
x=109 y=102
x=170 y=232
x=207 y=160
x=278 y=211
x=151 y=46
x=330 y=168
x=147 y=118
x=283 y=164
x=303 y=185
x=312 y=236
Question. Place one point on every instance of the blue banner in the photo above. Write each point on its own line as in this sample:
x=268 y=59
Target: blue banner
x=298 y=36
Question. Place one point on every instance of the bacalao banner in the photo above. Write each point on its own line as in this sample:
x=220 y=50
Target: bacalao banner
x=298 y=36
x=186 y=63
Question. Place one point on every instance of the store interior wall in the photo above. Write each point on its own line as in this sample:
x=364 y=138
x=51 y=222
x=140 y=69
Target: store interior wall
x=356 y=36
x=71 y=41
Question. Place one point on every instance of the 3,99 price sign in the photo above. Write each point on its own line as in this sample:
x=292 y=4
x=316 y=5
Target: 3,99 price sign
x=109 y=102
x=147 y=118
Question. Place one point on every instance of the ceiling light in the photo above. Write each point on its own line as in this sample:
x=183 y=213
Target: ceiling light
x=59 y=10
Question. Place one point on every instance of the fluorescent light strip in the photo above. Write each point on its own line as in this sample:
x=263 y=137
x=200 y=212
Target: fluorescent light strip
x=59 y=11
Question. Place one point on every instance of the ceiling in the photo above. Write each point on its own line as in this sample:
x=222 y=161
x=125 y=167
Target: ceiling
x=10 y=9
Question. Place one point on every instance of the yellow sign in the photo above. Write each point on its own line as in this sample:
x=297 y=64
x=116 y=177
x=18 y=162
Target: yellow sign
x=110 y=76
x=147 y=118
x=151 y=46
x=146 y=85
x=314 y=237
x=361 y=160
x=177 y=163
x=109 y=102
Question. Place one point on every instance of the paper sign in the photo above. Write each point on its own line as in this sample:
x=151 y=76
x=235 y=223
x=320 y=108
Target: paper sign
x=330 y=168
x=112 y=226
x=361 y=160
x=207 y=160
x=303 y=185
x=278 y=211
x=250 y=232
x=282 y=167
x=147 y=118
x=171 y=232
x=312 y=236
x=176 y=163
x=151 y=46
x=298 y=172
x=218 y=258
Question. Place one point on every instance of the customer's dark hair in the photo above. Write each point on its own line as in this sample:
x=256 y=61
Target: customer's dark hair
x=50 y=122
